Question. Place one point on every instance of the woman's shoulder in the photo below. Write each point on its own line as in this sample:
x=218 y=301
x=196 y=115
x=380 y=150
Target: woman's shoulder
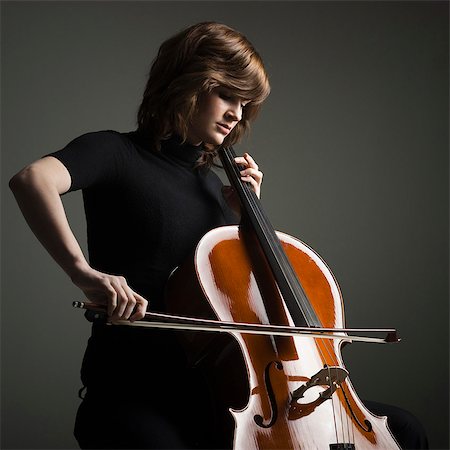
x=96 y=157
x=109 y=143
x=103 y=137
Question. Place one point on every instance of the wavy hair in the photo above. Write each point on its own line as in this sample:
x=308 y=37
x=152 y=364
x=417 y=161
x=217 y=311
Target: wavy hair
x=193 y=62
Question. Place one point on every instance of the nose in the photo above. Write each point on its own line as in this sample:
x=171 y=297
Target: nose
x=234 y=112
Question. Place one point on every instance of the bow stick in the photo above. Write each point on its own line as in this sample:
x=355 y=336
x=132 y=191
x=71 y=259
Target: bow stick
x=159 y=320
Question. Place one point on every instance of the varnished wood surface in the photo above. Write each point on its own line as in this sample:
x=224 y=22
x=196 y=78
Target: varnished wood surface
x=236 y=284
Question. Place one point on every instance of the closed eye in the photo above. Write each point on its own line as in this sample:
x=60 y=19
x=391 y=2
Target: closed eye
x=227 y=96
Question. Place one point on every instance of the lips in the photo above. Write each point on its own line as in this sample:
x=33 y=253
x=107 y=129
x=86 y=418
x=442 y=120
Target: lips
x=224 y=128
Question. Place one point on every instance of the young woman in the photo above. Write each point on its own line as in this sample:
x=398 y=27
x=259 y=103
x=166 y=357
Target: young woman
x=149 y=197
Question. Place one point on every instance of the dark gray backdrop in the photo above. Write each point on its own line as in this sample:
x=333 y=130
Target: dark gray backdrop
x=353 y=142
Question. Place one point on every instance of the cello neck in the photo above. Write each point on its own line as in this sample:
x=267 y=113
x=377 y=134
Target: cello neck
x=292 y=291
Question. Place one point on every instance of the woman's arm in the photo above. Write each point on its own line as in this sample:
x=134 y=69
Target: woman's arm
x=38 y=189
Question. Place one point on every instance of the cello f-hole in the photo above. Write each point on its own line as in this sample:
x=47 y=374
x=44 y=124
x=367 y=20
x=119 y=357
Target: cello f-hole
x=368 y=427
x=259 y=420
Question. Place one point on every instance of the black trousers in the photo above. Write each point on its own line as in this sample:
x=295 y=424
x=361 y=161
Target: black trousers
x=131 y=424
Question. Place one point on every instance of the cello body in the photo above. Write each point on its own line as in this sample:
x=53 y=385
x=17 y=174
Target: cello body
x=296 y=393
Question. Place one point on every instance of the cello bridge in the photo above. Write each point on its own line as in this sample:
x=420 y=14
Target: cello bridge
x=330 y=376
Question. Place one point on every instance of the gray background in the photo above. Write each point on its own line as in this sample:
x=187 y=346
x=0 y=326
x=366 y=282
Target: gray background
x=353 y=142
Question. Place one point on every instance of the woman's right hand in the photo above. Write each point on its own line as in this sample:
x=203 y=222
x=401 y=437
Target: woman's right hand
x=113 y=291
x=37 y=189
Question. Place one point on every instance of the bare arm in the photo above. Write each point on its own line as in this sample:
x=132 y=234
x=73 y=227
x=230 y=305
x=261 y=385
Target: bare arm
x=37 y=189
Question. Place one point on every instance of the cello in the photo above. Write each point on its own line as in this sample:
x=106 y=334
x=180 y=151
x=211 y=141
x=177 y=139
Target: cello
x=283 y=308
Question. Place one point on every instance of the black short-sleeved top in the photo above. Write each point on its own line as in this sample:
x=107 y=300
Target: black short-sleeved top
x=145 y=212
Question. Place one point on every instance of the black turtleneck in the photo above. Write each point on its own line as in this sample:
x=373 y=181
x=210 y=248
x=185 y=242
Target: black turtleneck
x=145 y=210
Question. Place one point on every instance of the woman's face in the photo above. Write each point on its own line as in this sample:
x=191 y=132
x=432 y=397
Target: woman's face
x=217 y=114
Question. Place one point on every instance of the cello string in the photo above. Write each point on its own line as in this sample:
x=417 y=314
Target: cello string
x=335 y=398
x=275 y=247
x=346 y=416
x=346 y=427
x=251 y=202
x=344 y=424
x=285 y=266
x=330 y=357
x=331 y=398
x=289 y=274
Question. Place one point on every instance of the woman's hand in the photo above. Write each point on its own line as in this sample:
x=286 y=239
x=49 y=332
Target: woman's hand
x=251 y=173
x=113 y=291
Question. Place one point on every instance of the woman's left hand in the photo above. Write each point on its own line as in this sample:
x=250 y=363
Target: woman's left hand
x=251 y=173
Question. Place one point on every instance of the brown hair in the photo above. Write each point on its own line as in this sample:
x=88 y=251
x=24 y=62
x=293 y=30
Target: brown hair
x=195 y=61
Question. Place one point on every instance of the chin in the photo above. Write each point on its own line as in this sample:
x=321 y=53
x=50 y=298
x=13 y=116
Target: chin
x=214 y=140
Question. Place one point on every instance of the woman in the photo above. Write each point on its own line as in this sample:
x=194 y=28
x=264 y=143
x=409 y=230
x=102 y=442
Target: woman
x=149 y=197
